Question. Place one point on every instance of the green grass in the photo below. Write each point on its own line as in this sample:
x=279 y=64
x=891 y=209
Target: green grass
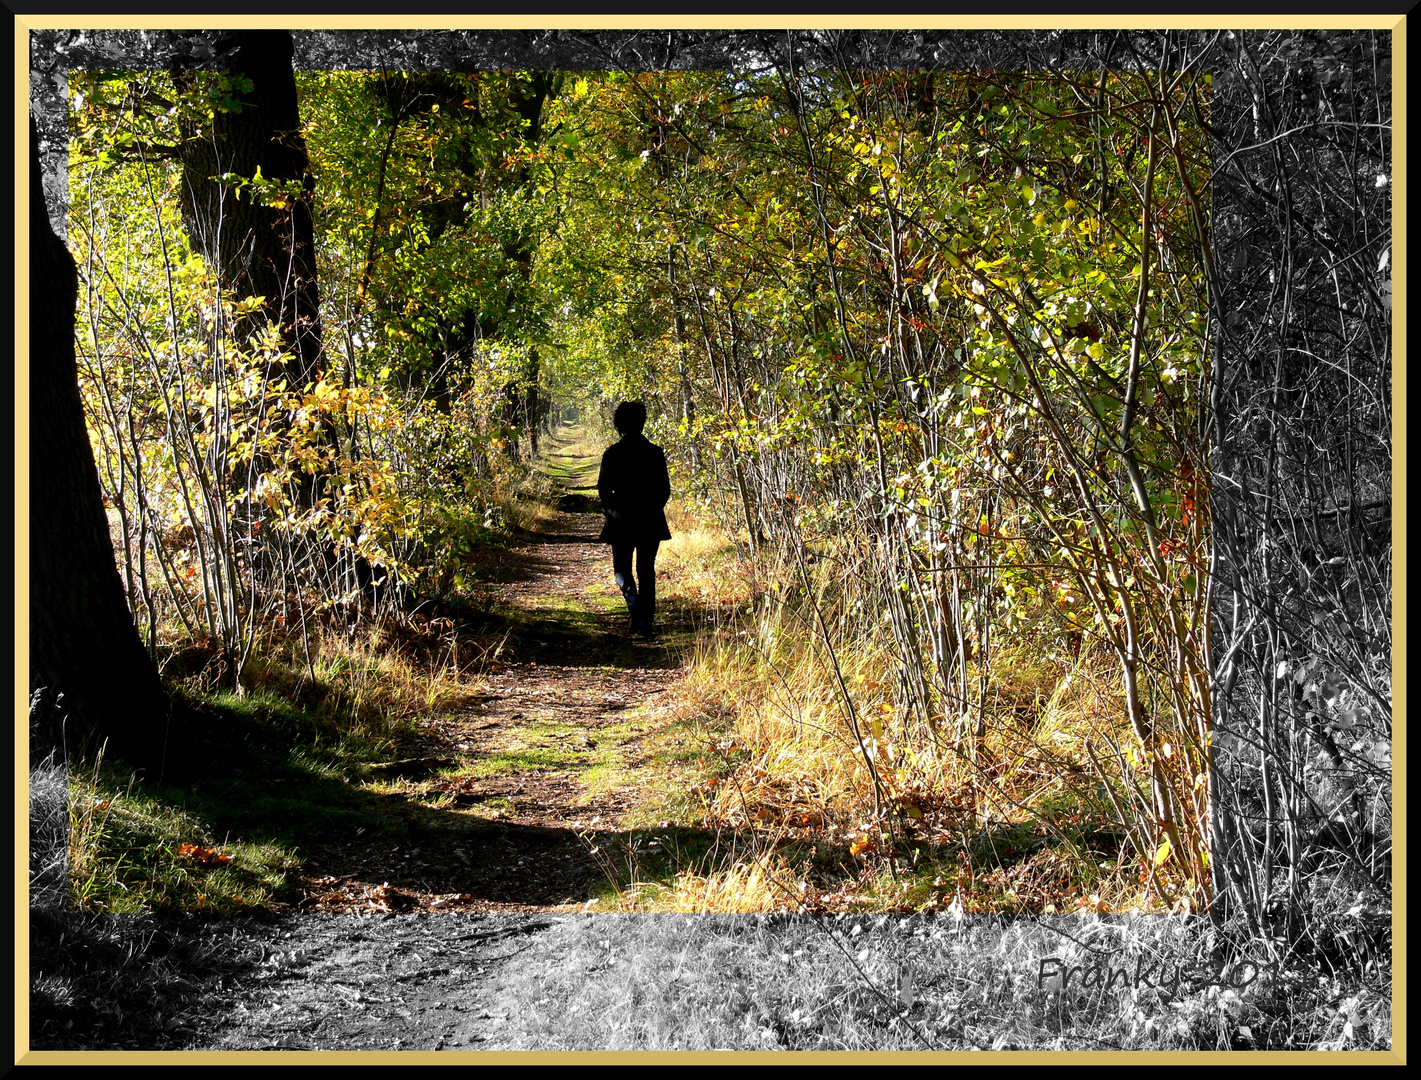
x=514 y=761
x=556 y=604
x=135 y=849
x=493 y=808
x=598 y=768
x=261 y=776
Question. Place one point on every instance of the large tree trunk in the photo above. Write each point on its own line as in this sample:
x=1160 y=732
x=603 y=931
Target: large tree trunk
x=90 y=677
x=259 y=247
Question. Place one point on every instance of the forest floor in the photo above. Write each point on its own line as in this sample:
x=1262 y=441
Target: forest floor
x=456 y=907
x=507 y=808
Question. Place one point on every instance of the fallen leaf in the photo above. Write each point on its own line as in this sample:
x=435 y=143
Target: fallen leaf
x=203 y=856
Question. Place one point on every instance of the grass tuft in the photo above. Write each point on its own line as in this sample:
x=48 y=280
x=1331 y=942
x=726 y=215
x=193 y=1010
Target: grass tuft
x=49 y=826
x=137 y=849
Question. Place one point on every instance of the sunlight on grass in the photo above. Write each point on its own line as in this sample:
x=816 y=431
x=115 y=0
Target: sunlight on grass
x=1008 y=784
x=515 y=761
x=381 y=675
x=699 y=561
x=765 y=883
x=130 y=851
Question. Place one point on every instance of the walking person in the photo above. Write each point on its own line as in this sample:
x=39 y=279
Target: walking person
x=634 y=487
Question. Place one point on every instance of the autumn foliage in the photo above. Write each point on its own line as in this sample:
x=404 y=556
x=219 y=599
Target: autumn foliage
x=938 y=349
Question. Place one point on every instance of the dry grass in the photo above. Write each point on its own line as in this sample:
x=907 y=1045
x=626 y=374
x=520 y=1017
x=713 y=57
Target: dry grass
x=702 y=555
x=700 y=571
x=528 y=506
x=49 y=839
x=379 y=676
x=779 y=755
x=724 y=982
x=759 y=881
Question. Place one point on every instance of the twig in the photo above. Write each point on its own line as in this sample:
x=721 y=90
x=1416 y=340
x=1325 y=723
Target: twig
x=901 y=1014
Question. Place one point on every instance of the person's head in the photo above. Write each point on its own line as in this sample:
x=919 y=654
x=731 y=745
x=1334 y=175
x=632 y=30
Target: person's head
x=629 y=418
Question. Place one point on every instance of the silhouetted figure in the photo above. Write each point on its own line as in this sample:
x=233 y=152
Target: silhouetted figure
x=635 y=487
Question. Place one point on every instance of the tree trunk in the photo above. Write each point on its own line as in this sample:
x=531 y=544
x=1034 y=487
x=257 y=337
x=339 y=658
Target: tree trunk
x=90 y=677
x=259 y=246
x=263 y=244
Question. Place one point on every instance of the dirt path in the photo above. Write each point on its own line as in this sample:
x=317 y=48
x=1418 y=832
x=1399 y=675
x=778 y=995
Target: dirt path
x=503 y=810
x=504 y=805
x=366 y=983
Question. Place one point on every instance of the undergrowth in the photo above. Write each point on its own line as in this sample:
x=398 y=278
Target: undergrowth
x=1014 y=818
x=857 y=982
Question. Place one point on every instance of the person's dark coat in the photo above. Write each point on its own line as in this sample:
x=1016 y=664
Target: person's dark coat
x=634 y=487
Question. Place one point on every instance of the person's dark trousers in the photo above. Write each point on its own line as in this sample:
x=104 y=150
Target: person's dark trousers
x=640 y=593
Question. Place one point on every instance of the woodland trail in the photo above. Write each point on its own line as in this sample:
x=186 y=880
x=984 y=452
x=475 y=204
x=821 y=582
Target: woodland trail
x=488 y=833
x=504 y=806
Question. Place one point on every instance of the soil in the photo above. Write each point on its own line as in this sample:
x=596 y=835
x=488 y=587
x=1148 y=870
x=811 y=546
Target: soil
x=367 y=983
